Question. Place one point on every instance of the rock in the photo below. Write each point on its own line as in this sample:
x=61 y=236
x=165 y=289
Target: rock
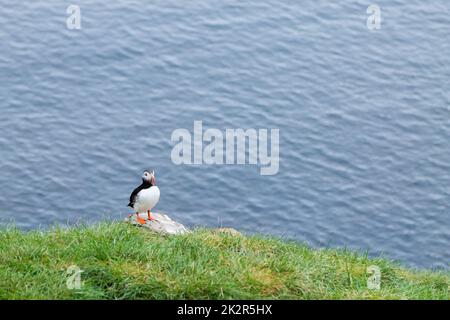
x=230 y=231
x=162 y=224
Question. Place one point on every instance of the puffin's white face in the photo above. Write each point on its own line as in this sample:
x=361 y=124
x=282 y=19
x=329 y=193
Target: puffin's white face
x=149 y=176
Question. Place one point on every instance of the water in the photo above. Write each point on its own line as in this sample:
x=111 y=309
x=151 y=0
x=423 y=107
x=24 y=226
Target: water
x=363 y=117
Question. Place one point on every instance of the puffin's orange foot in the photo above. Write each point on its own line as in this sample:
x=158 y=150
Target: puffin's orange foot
x=149 y=215
x=141 y=221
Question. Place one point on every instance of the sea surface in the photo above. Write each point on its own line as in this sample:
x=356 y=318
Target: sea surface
x=364 y=117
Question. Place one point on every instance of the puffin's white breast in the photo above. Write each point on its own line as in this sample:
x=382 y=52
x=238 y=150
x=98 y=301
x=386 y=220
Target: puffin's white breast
x=146 y=199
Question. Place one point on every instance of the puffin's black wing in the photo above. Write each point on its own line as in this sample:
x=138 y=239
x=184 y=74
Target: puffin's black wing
x=134 y=194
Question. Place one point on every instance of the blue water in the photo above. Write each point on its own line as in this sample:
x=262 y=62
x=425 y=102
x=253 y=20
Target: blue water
x=364 y=117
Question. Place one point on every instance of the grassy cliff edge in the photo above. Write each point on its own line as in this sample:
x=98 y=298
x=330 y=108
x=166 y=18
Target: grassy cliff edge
x=119 y=261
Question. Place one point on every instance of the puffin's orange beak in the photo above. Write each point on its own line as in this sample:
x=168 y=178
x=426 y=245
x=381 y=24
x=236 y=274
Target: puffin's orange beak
x=153 y=181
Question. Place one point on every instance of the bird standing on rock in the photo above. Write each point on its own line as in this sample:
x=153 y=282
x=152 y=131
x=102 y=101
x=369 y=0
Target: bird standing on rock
x=145 y=197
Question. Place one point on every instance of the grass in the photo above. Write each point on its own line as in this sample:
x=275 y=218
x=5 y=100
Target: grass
x=120 y=261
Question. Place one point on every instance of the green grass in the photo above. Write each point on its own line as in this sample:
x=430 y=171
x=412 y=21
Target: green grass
x=120 y=261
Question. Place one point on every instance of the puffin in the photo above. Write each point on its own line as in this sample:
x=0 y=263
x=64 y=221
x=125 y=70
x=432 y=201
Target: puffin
x=145 y=197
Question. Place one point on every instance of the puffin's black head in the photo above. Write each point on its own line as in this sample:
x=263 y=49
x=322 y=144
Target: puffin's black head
x=149 y=177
